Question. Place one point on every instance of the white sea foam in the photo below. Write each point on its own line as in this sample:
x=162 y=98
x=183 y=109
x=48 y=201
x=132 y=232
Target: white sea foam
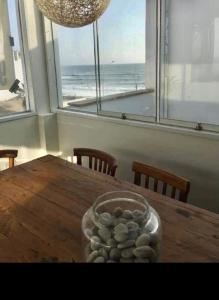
x=80 y=81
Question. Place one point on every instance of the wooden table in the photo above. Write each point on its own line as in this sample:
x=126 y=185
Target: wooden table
x=42 y=204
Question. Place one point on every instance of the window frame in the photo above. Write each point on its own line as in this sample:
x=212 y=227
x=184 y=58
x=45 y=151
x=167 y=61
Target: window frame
x=163 y=99
x=26 y=66
x=54 y=78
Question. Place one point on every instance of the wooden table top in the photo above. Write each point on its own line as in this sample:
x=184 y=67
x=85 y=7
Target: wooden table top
x=42 y=203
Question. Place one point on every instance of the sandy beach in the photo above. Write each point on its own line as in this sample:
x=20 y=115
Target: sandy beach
x=12 y=106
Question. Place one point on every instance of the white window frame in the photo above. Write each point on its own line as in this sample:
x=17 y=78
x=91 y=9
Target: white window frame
x=163 y=99
x=56 y=100
x=26 y=67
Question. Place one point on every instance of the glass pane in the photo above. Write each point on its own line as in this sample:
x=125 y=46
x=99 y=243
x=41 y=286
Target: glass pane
x=128 y=57
x=11 y=61
x=191 y=61
x=76 y=54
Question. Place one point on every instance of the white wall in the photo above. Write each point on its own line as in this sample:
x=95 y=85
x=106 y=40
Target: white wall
x=37 y=56
x=33 y=136
x=23 y=135
x=193 y=157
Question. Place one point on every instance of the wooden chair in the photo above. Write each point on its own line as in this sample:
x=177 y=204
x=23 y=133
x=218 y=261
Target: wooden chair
x=158 y=180
x=98 y=160
x=10 y=154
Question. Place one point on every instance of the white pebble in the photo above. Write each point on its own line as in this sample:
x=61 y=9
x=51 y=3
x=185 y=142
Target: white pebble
x=106 y=219
x=115 y=254
x=132 y=226
x=95 y=243
x=92 y=256
x=121 y=228
x=127 y=253
x=143 y=240
x=103 y=253
x=145 y=252
x=99 y=260
x=127 y=214
x=104 y=233
x=126 y=244
x=121 y=237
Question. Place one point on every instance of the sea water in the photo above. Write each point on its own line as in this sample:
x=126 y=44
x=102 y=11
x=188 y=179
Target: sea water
x=79 y=81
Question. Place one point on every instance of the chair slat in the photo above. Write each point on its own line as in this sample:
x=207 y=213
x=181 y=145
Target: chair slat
x=108 y=170
x=90 y=162
x=182 y=197
x=161 y=176
x=105 y=168
x=173 y=194
x=11 y=162
x=164 y=190
x=79 y=160
x=100 y=165
x=147 y=180
x=137 y=179
x=155 y=184
x=95 y=164
x=11 y=155
x=98 y=160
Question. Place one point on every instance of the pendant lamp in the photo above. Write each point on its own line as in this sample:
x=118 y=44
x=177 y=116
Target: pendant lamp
x=72 y=13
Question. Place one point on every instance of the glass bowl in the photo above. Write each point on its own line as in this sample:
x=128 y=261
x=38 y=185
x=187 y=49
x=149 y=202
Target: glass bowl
x=121 y=227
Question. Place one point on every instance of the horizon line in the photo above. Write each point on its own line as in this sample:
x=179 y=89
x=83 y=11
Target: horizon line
x=108 y=64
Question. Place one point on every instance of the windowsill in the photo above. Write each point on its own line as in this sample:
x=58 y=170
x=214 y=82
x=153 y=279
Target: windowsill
x=17 y=116
x=152 y=126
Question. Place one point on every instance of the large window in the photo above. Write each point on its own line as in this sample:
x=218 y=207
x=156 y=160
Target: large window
x=152 y=60
x=123 y=62
x=191 y=61
x=109 y=67
x=13 y=98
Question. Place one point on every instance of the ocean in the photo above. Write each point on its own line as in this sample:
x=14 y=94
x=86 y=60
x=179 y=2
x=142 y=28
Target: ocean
x=79 y=81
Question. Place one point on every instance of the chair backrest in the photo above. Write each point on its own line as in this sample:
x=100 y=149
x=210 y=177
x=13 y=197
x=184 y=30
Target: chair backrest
x=98 y=160
x=159 y=181
x=10 y=154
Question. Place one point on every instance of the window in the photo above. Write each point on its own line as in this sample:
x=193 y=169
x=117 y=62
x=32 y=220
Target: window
x=152 y=60
x=191 y=61
x=76 y=57
x=123 y=63
x=105 y=66
x=13 y=97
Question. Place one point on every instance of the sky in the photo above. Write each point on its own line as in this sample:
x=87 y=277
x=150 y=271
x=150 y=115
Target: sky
x=121 y=33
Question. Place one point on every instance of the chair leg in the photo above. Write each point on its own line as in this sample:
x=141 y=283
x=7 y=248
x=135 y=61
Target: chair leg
x=11 y=162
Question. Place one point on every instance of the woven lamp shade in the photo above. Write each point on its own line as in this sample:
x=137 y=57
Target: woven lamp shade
x=72 y=13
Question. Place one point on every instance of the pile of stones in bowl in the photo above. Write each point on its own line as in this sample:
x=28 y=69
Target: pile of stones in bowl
x=121 y=237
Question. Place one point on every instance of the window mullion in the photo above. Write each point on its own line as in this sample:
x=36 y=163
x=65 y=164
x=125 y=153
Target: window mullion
x=95 y=65
x=98 y=65
x=158 y=60
x=21 y=20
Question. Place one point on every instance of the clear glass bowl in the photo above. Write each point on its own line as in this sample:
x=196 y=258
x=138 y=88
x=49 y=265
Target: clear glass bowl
x=121 y=227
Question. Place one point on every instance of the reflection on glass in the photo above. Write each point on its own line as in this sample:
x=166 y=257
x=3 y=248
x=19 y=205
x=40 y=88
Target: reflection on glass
x=12 y=66
x=76 y=53
x=192 y=61
x=122 y=36
x=127 y=83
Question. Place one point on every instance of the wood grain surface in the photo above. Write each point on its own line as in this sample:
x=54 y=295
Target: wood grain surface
x=42 y=204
